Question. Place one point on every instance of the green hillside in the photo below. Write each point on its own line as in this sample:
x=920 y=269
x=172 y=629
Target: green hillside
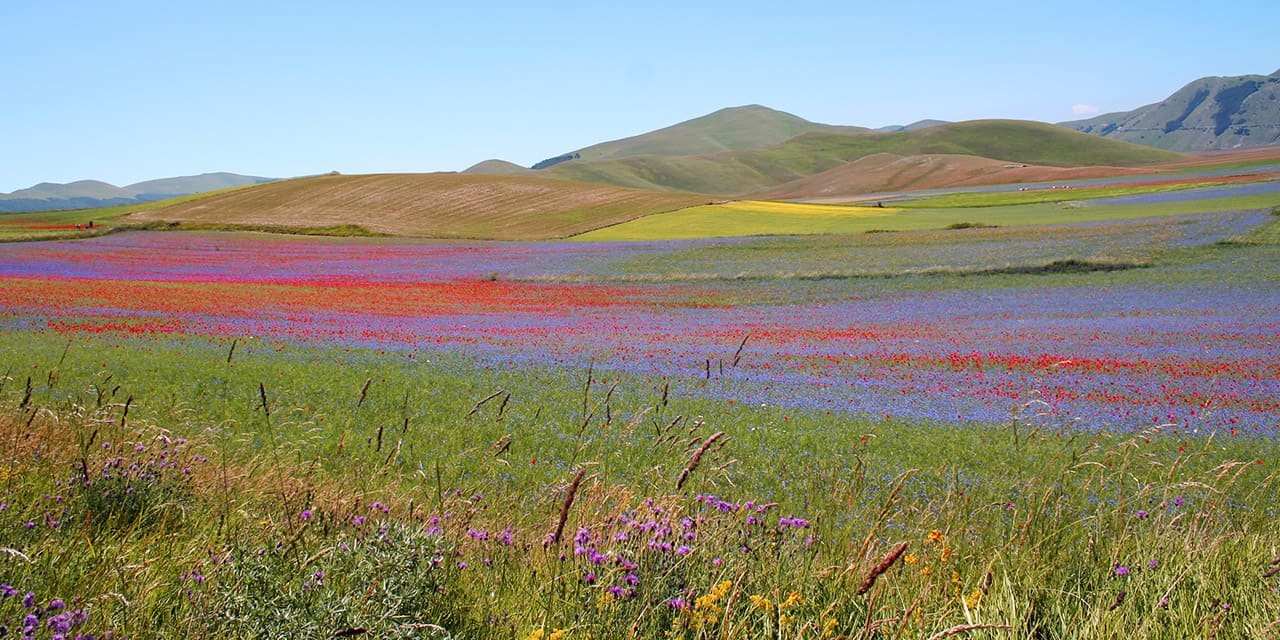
x=756 y=170
x=732 y=129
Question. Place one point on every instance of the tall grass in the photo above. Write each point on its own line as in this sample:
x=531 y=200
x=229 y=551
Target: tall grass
x=189 y=489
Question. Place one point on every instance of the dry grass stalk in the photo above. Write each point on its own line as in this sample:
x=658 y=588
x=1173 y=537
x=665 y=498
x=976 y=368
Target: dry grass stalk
x=564 y=507
x=482 y=402
x=884 y=565
x=697 y=458
x=737 y=355
x=967 y=627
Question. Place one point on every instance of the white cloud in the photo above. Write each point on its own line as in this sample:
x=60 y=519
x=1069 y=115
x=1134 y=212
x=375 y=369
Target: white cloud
x=1084 y=109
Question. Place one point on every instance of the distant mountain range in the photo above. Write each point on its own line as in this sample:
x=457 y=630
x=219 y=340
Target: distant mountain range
x=754 y=149
x=1207 y=114
x=87 y=194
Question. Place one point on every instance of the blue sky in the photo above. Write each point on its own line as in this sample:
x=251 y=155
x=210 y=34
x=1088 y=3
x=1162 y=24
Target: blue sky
x=129 y=91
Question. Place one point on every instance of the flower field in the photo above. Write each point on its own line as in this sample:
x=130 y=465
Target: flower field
x=1055 y=431
x=1191 y=354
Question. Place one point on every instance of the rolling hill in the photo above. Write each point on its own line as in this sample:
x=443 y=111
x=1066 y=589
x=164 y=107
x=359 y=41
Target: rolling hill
x=760 y=170
x=441 y=205
x=731 y=129
x=1207 y=114
x=884 y=172
x=496 y=167
x=919 y=124
x=89 y=194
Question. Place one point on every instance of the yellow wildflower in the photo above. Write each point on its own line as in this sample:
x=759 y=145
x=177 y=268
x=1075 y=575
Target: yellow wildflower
x=793 y=599
x=536 y=634
x=558 y=634
x=971 y=601
x=910 y=559
x=760 y=603
x=924 y=571
x=946 y=554
x=936 y=536
x=829 y=627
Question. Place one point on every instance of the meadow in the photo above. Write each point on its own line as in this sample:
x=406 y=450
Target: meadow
x=1058 y=430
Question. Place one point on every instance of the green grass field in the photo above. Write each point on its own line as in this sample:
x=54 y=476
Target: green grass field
x=784 y=218
x=1042 y=195
x=315 y=492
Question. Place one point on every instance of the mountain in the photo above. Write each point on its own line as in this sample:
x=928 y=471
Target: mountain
x=77 y=189
x=1207 y=114
x=757 y=170
x=89 y=194
x=919 y=124
x=441 y=205
x=731 y=129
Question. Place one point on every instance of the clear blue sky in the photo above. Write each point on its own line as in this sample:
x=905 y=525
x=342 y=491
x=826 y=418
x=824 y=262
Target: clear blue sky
x=128 y=91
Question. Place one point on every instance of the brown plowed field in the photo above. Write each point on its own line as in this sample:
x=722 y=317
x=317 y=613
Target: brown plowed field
x=442 y=205
x=883 y=172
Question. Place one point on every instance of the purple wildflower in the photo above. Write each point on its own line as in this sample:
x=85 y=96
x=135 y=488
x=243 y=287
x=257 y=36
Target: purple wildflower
x=1122 y=570
x=305 y=515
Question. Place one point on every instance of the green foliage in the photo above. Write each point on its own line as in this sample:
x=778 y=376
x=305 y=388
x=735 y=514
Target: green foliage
x=390 y=582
